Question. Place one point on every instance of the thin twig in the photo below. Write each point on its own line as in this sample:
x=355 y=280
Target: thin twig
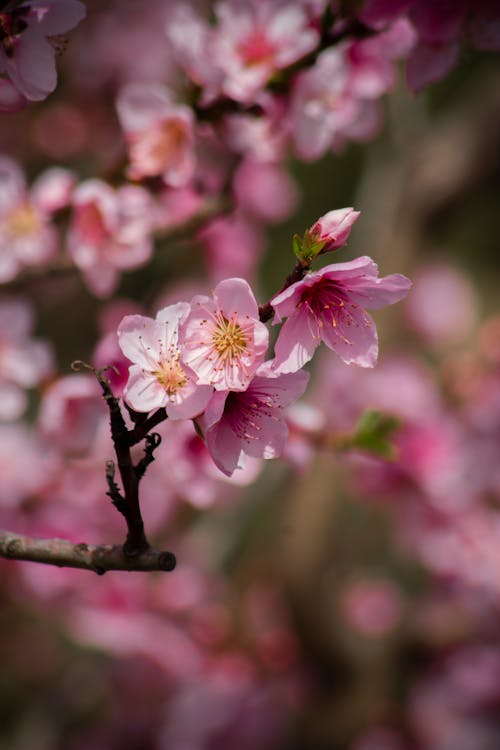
x=65 y=554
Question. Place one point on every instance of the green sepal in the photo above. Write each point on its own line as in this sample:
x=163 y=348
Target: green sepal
x=306 y=248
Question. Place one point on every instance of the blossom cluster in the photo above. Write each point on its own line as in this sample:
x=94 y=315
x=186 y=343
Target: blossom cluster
x=206 y=359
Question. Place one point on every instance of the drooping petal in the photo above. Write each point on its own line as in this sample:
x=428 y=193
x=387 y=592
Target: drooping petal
x=297 y=342
x=223 y=446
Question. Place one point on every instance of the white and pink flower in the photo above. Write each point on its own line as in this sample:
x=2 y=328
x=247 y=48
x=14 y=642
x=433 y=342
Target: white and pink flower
x=328 y=305
x=27 y=236
x=109 y=232
x=224 y=340
x=254 y=39
x=157 y=377
x=251 y=422
x=159 y=133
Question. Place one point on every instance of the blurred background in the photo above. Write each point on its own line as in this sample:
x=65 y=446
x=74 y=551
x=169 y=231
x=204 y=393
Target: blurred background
x=336 y=599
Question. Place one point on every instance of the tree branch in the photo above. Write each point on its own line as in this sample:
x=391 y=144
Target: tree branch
x=98 y=559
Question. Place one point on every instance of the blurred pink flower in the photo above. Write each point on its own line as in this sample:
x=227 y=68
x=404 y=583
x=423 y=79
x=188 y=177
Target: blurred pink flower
x=159 y=133
x=233 y=246
x=26 y=53
x=26 y=234
x=223 y=340
x=442 y=307
x=109 y=232
x=157 y=378
x=251 y=422
x=265 y=191
x=70 y=413
x=373 y=607
x=327 y=305
x=252 y=41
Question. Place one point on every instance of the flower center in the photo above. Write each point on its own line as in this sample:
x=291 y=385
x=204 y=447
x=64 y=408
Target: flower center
x=228 y=339
x=256 y=49
x=170 y=375
x=23 y=222
x=161 y=146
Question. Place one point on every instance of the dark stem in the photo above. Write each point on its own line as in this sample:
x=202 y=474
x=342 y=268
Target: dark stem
x=128 y=503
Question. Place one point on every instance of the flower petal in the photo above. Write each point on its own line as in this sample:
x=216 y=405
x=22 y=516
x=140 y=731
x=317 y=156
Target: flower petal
x=297 y=342
x=377 y=293
x=140 y=339
x=143 y=392
x=353 y=337
x=235 y=297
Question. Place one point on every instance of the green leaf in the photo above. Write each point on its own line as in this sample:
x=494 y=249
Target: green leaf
x=373 y=434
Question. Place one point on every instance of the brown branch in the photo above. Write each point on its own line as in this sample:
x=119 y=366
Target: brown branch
x=65 y=554
x=128 y=503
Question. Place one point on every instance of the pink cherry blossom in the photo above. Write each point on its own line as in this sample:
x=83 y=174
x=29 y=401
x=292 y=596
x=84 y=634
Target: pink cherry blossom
x=233 y=246
x=26 y=53
x=159 y=133
x=224 y=341
x=109 y=232
x=253 y=40
x=252 y=421
x=265 y=191
x=27 y=236
x=157 y=377
x=327 y=305
x=332 y=229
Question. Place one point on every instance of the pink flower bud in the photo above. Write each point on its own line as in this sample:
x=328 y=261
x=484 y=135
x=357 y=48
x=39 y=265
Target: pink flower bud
x=333 y=229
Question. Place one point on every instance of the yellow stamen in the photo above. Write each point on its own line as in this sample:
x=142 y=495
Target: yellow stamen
x=228 y=339
x=171 y=376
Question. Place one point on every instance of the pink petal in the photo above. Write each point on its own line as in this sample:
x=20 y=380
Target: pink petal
x=377 y=293
x=224 y=447
x=191 y=401
x=362 y=266
x=143 y=392
x=297 y=342
x=282 y=388
x=235 y=297
x=353 y=338
x=139 y=338
x=214 y=411
x=267 y=437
